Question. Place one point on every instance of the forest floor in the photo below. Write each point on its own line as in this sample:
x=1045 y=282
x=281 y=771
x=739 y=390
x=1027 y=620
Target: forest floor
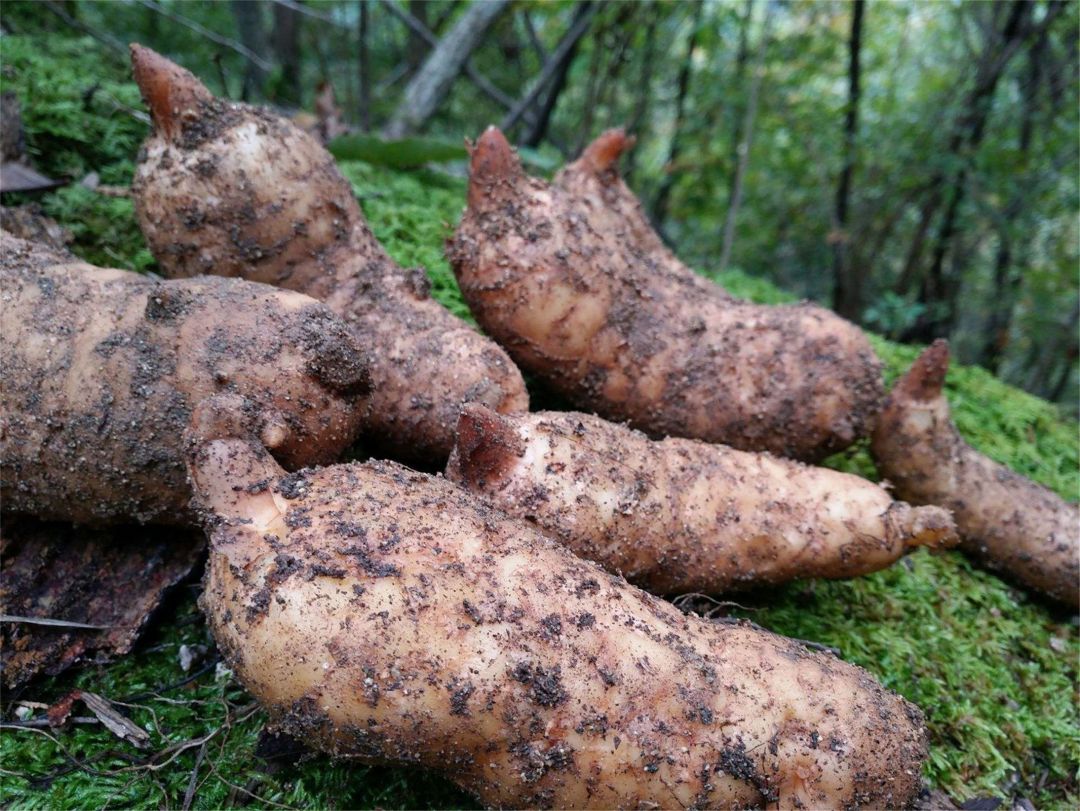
x=994 y=670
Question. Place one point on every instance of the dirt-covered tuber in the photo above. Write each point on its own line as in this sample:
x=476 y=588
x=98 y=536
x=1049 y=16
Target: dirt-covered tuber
x=681 y=515
x=573 y=281
x=235 y=190
x=102 y=369
x=390 y=617
x=1007 y=522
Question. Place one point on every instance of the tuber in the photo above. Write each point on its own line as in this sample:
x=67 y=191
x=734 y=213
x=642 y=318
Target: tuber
x=573 y=281
x=102 y=368
x=387 y=616
x=234 y=190
x=681 y=515
x=1007 y=522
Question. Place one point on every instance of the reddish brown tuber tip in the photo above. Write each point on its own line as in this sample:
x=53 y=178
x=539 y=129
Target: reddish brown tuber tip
x=167 y=88
x=494 y=167
x=603 y=154
x=926 y=376
x=932 y=527
x=487 y=447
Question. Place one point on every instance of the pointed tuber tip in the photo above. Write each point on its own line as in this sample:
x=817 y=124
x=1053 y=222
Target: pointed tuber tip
x=494 y=168
x=167 y=88
x=932 y=527
x=603 y=154
x=487 y=447
x=924 y=380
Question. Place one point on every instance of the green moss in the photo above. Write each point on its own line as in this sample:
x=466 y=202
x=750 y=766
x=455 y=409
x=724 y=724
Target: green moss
x=994 y=671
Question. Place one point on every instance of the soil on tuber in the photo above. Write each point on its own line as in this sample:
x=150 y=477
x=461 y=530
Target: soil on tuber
x=102 y=369
x=1007 y=522
x=390 y=617
x=573 y=281
x=682 y=515
x=234 y=190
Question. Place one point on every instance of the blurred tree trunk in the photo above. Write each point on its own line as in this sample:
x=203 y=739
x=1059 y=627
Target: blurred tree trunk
x=417 y=45
x=1048 y=354
x=644 y=90
x=625 y=30
x=427 y=90
x=249 y=25
x=737 y=106
x=663 y=193
x=539 y=126
x=745 y=141
x=362 y=32
x=286 y=42
x=1006 y=281
x=848 y=281
x=937 y=291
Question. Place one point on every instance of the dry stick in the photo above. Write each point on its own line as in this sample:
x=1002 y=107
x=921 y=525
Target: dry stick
x=52 y=623
x=44 y=723
x=576 y=32
x=422 y=31
x=310 y=12
x=534 y=38
x=100 y=36
x=233 y=45
x=189 y=795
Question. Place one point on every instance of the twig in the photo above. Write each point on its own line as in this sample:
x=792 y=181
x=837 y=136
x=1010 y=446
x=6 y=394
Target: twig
x=233 y=45
x=189 y=795
x=53 y=623
x=534 y=38
x=105 y=39
x=168 y=688
x=43 y=723
x=576 y=32
x=310 y=12
x=422 y=31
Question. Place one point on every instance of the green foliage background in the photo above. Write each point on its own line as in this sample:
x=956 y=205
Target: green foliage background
x=994 y=670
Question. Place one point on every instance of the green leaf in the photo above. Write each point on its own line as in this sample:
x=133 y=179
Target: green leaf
x=399 y=154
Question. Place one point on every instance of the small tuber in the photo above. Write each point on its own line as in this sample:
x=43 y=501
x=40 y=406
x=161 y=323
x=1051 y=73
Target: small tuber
x=573 y=281
x=1007 y=522
x=681 y=515
x=234 y=190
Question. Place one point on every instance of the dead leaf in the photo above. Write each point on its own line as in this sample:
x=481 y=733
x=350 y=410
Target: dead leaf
x=119 y=725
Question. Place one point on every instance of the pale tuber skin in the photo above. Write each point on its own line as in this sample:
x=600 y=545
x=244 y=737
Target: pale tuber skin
x=681 y=515
x=101 y=370
x=573 y=281
x=235 y=190
x=1009 y=523
x=387 y=616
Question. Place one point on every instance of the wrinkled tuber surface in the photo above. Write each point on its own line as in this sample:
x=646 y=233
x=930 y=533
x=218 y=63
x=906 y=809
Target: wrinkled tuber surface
x=101 y=369
x=681 y=515
x=388 y=616
x=1009 y=523
x=112 y=577
x=573 y=281
x=234 y=190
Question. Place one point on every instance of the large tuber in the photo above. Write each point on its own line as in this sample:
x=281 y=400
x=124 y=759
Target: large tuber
x=102 y=369
x=235 y=190
x=390 y=617
x=573 y=281
x=1007 y=522
x=681 y=515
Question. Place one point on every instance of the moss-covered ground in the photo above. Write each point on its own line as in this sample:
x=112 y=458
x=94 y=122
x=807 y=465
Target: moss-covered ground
x=994 y=670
